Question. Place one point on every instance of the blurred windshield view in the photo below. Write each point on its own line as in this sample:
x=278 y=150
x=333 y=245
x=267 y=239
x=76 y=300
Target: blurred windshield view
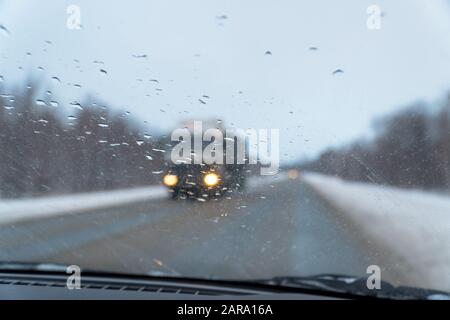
x=228 y=139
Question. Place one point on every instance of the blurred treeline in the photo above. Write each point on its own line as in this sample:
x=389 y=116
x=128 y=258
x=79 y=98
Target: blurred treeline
x=411 y=148
x=44 y=150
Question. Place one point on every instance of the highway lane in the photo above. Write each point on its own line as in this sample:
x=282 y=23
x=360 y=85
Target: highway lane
x=278 y=228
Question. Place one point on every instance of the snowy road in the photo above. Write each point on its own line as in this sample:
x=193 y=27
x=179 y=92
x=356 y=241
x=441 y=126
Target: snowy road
x=279 y=227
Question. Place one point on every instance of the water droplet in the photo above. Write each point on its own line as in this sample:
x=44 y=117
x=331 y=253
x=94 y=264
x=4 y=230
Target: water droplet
x=54 y=104
x=268 y=53
x=139 y=142
x=4 y=30
x=76 y=105
x=56 y=79
x=103 y=125
x=149 y=157
x=140 y=56
x=337 y=71
x=103 y=71
x=40 y=102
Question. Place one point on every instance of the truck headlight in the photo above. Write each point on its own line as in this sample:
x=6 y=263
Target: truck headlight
x=170 y=180
x=211 y=179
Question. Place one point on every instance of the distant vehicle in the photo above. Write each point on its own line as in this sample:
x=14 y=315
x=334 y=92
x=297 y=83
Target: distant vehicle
x=205 y=181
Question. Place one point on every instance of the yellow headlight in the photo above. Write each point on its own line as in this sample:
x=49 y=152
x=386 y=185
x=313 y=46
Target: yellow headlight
x=170 y=180
x=211 y=179
x=293 y=174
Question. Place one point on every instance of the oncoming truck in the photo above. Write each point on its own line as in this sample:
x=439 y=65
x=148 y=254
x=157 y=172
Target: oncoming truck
x=205 y=162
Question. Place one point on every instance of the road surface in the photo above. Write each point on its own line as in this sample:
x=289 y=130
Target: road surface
x=277 y=228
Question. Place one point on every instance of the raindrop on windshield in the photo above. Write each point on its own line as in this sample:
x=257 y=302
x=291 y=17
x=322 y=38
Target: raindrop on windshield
x=40 y=102
x=76 y=105
x=4 y=30
x=140 y=56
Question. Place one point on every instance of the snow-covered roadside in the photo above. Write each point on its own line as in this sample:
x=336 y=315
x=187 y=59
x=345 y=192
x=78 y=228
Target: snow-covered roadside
x=12 y=211
x=413 y=225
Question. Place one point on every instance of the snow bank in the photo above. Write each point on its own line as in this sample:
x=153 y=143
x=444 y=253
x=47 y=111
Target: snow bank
x=12 y=211
x=413 y=225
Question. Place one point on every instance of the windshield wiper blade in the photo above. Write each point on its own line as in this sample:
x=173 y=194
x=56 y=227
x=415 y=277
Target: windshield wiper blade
x=324 y=283
x=356 y=286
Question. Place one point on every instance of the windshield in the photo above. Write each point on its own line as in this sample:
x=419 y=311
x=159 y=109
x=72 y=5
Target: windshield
x=228 y=139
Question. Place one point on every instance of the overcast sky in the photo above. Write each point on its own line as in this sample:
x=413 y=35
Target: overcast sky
x=193 y=52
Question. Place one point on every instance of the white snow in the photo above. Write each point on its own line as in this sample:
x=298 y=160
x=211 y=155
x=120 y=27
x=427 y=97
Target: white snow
x=12 y=211
x=413 y=225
